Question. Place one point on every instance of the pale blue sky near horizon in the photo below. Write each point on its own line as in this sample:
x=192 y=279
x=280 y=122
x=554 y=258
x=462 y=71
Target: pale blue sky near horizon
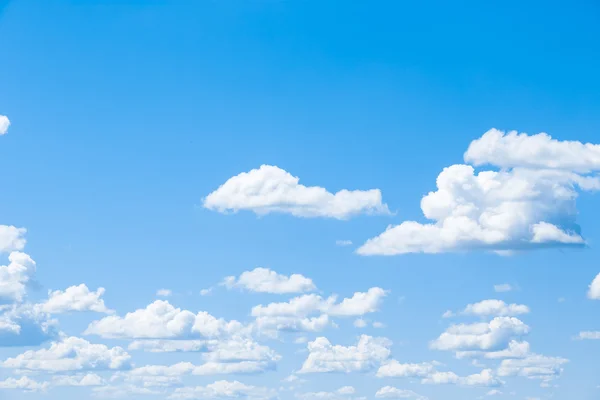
x=125 y=115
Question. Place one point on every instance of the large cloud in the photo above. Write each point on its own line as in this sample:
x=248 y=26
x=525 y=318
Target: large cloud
x=271 y=189
x=71 y=354
x=494 y=335
x=529 y=206
x=264 y=280
x=365 y=355
x=160 y=320
x=75 y=298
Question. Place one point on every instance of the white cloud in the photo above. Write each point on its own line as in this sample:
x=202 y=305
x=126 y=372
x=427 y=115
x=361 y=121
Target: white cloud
x=480 y=336
x=24 y=383
x=511 y=209
x=11 y=238
x=360 y=323
x=493 y=392
x=160 y=320
x=341 y=393
x=515 y=349
x=71 y=354
x=390 y=392
x=378 y=325
x=25 y=325
x=77 y=380
x=15 y=276
x=223 y=389
x=534 y=366
x=206 y=292
x=343 y=243
x=485 y=378
x=75 y=298
x=594 y=291
x=169 y=346
x=164 y=292
x=4 y=124
x=271 y=189
x=359 y=304
x=264 y=280
x=366 y=355
x=123 y=391
x=496 y=308
x=227 y=368
x=395 y=369
x=589 y=335
x=508 y=150
x=503 y=287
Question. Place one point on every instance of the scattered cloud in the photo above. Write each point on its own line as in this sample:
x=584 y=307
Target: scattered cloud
x=534 y=366
x=390 y=392
x=24 y=383
x=589 y=335
x=270 y=189
x=264 y=280
x=594 y=290
x=75 y=298
x=164 y=292
x=343 y=243
x=360 y=323
x=224 y=389
x=4 y=124
x=15 y=276
x=365 y=355
x=487 y=308
x=206 y=292
x=12 y=238
x=503 y=287
x=485 y=378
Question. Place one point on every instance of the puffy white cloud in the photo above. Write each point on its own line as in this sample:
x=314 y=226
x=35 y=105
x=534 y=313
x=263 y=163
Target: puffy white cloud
x=395 y=369
x=498 y=308
x=503 y=287
x=75 y=298
x=359 y=304
x=534 y=366
x=481 y=336
x=360 y=323
x=341 y=393
x=485 y=378
x=529 y=206
x=366 y=355
x=594 y=290
x=77 y=380
x=264 y=280
x=169 y=346
x=71 y=354
x=515 y=349
x=24 y=383
x=271 y=189
x=589 y=335
x=224 y=389
x=160 y=320
x=15 y=276
x=272 y=325
x=508 y=150
x=164 y=292
x=11 y=238
x=4 y=124
x=390 y=392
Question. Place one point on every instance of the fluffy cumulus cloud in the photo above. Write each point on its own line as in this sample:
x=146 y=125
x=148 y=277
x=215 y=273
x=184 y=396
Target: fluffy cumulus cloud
x=11 y=238
x=368 y=353
x=15 y=276
x=484 y=336
x=264 y=280
x=396 y=369
x=297 y=313
x=224 y=389
x=71 y=354
x=271 y=189
x=161 y=320
x=75 y=298
x=77 y=380
x=390 y=392
x=4 y=124
x=25 y=384
x=525 y=205
x=594 y=290
x=485 y=378
x=488 y=308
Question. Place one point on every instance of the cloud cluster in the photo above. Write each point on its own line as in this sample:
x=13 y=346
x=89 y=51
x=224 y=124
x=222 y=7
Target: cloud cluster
x=530 y=203
x=270 y=189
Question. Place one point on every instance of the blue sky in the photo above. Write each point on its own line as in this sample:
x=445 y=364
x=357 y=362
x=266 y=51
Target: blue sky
x=156 y=145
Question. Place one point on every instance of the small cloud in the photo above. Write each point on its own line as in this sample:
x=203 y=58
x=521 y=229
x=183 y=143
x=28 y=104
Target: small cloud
x=4 y=124
x=206 y=292
x=164 y=293
x=343 y=242
x=504 y=287
x=378 y=325
x=448 y=314
x=360 y=323
x=561 y=299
